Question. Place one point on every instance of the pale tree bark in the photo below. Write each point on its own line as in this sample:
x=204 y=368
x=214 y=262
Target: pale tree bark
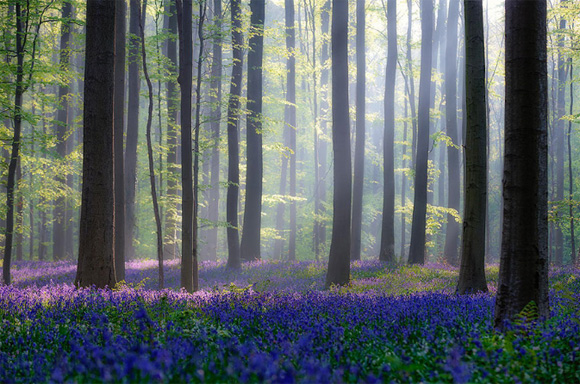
x=417 y=249
x=250 y=245
x=472 y=270
x=96 y=264
x=523 y=275
x=339 y=258
x=387 y=252
x=290 y=110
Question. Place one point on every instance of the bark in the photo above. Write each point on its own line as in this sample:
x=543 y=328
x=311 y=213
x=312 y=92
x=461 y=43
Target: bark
x=215 y=99
x=339 y=258
x=560 y=149
x=234 y=260
x=472 y=270
x=184 y=18
x=290 y=113
x=359 y=148
x=134 y=83
x=152 y=181
x=411 y=91
x=61 y=126
x=417 y=249
x=387 y=252
x=570 y=170
x=96 y=265
x=119 y=130
x=453 y=160
x=171 y=219
x=523 y=275
x=250 y=245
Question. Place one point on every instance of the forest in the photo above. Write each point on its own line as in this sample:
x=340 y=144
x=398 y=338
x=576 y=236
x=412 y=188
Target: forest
x=312 y=191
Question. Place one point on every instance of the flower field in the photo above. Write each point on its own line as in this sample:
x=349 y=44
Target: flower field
x=276 y=324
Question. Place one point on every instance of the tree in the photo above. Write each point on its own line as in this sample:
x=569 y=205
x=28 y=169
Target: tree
x=417 y=250
x=134 y=83
x=60 y=208
x=96 y=264
x=387 y=252
x=523 y=275
x=359 y=149
x=234 y=261
x=453 y=167
x=339 y=257
x=472 y=270
x=119 y=124
x=290 y=113
x=189 y=279
x=250 y=246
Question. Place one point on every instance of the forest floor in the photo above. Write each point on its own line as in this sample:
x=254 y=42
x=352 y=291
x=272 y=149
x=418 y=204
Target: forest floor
x=273 y=322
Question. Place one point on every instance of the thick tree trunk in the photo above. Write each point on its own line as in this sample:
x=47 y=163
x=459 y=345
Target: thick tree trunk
x=250 y=246
x=417 y=250
x=472 y=271
x=523 y=275
x=339 y=257
x=134 y=83
x=453 y=161
x=61 y=126
x=387 y=252
x=360 y=131
x=96 y=265
x=119 y=130
x=234 y=260
x=185 y=21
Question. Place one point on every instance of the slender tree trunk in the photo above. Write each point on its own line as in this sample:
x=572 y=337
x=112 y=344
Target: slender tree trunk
x=409 y=55
x=61 y=126
x=387 y=252
x=250 y=246
x=291 y=119
x=359 y=149
x=96 y=265
x=523 y=275
x=19 y=217
x=215 y=98
x=234 y=260
x=150 y=160
x=472 y=271
x=339 y=257
x=454 y=177
x=171 y=216
x=119 y=105
x=279 y=243
x=134 y=83
x=570 y=170
x=417 y=250
x=185 y=79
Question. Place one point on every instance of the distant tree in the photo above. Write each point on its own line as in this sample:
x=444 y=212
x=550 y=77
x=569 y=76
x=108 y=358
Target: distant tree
x=234 y=260
x=359 y=148
x=472 y=270
x=61 y=122
x=453 y=161
x=417 y=250
x=96 y=264
x=119 y=130
x=339 y=257
x=387 y=252
x=523 y=275
x=250 y=246
x=290 y=115
x=134 y=86
x=188 y=263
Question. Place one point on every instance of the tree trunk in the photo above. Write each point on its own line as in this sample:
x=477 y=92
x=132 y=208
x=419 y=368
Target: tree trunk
x=523 y=275
x=290 y=114
x=215 y=99
x=234 y=261
x=417 y=250
x=387 y=252
x=120 y=36
x=453 y=161
x=61 y=126
x=472 y=271
x=570 y=170
x=96 y=265
x=250 y=246
x=185 y=79
x=339 y=257
x=134 y=83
